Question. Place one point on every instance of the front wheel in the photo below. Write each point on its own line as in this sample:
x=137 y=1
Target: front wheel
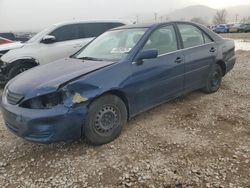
x=105 y=120
x=17 y=69
x=214 y=79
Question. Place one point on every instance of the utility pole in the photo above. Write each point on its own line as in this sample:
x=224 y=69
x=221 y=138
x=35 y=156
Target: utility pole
x=236 y=18
x=156 y=14
x=137 y=19
x=161 y=18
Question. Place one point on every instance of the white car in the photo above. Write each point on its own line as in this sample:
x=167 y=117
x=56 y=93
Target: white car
x=55 y=42
x=4 y=48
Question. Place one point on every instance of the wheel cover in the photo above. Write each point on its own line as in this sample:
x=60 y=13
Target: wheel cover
x=107 y=120
x=215 y=80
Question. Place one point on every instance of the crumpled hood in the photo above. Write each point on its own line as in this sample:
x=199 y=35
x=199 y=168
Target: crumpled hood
x=47 y=78
x=11 y=46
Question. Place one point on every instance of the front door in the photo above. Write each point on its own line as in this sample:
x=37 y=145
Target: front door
x=160 y=79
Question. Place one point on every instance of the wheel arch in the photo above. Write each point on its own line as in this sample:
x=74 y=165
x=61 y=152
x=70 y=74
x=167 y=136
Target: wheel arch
x=223 y=66
x=122 y=96
x=30 y=60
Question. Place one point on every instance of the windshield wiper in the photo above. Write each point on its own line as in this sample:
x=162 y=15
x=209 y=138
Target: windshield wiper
x=91 y=58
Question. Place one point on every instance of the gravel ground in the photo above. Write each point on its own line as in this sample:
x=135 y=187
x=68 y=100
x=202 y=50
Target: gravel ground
x=198 y=140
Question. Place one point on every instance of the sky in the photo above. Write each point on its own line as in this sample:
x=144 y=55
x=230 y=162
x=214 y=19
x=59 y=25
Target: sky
x=34 y=15
x=221 y=3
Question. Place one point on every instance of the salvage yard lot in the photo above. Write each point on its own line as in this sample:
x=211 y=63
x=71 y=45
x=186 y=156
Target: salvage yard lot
x=198 y=140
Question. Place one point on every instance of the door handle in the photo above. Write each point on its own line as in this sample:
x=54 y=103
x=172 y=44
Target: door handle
x=213 y=49
x=178 y=60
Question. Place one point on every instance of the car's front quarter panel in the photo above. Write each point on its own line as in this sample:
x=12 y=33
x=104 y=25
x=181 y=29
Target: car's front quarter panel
x=28 y=51
x=115 y=78
x=66 y=120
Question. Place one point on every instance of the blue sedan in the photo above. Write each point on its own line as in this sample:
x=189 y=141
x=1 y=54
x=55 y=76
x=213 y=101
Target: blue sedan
x=222 y=28
x=120 y=74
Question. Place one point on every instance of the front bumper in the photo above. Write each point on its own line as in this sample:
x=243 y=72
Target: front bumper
x=44 y=126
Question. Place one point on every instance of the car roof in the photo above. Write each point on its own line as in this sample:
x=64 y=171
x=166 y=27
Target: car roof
x=150 y=25
x=94 y=21
x=212 y=34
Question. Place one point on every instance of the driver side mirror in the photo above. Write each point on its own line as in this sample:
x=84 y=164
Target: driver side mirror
x=48 y=39
x=147 y=54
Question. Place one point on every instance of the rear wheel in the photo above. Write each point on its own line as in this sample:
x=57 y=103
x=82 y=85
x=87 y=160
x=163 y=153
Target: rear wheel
x=214 y=79
x=105 y=120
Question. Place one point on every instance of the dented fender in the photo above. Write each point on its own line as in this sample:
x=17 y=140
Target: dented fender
x=79 y=93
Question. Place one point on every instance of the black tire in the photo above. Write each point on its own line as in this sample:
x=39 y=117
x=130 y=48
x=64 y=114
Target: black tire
x=19 y=68
x=3 y=80
x=106 y=117
x=214 y=79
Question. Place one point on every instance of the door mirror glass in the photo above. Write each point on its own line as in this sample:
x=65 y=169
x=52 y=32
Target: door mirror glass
x=48 y=39
x=147 y=54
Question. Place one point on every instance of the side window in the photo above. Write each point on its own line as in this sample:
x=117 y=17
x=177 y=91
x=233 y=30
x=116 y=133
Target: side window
x=65 y=33
x=163 y=39
x=113 y=25
x=206 y=38
x=90 y=30
x=133 y=38
x=191 y=35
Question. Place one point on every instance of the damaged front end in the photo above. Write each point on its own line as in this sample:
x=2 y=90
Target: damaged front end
x=3 y=52
x=51 y=106
x=47 y=101
x=4 y=72
x=64 y=96
x=55 y=115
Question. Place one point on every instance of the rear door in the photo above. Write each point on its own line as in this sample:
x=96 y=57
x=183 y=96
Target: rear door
x=162 y=78
x=200 y=53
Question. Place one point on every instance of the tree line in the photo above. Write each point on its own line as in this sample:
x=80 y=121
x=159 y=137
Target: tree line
x=219 y=18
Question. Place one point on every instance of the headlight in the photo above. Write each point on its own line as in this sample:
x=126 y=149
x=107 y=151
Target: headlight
x=45 y=101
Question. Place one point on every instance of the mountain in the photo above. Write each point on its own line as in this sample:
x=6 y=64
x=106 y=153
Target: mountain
x=206 y=13
x=196 y=11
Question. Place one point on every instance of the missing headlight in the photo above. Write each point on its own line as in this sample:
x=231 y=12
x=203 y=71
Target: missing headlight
x=3 y=52
x=45 y=101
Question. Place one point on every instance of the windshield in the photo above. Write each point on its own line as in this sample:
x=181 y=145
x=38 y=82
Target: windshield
x=112 y=45
x=41 y=34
